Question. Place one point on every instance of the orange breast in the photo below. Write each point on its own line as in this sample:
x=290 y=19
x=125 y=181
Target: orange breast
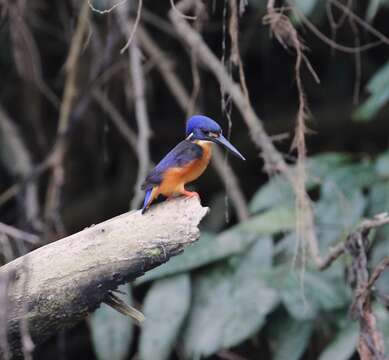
x=175 y=178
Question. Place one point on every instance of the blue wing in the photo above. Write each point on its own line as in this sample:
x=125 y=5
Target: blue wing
x=182 y=154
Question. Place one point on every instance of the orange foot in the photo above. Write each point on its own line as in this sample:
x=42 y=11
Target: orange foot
x=190 y=193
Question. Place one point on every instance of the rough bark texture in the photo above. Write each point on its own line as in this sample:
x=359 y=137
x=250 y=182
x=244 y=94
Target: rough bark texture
x=59 y=284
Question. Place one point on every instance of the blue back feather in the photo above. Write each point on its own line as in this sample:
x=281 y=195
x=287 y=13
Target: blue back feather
x=182 y=154
x=147 y=198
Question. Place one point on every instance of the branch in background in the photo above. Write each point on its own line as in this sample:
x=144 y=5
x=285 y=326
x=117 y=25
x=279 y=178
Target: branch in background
x=17 y=160
x=231 y=183
x=179 y=13
x=142 y=120
x=105 y=11
x=370 y=344
x=364 y=24
x=358 y=60
x=235 y=52
x=196 y=81
x=71 y=277
x=25 y=51
x=138 y=87
x=367 y=225
x=286 y=34
x=18 y=234
x=56 y=181
x=132 y=29
x=225 y=172
x=330 y=42
x=117 y=119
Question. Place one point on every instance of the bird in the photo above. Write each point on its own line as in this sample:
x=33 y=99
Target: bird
x=186 y=161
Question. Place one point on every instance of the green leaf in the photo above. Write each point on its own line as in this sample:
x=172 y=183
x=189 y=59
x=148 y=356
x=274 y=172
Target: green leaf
x=230 y=303
x=366 y=111
x=284 y=341
x=231 y=242
x=275 y=220
x=378 y=86
x=337 y=213
x=382 y=165
x=379 y=80
x=165 y=308
x=111 y=331
x=322 y=165
x=379 y=203
x=305 y=6
x=344 y=344
x=215 y=220
x=278 y=190
x=348 y=177
x=372 y=9
x=208 y=249
x=318 y=292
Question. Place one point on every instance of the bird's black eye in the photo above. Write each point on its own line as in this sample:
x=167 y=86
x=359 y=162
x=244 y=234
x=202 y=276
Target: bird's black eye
x=213 y=134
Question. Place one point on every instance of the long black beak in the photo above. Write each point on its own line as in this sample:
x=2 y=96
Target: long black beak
x=231 y=148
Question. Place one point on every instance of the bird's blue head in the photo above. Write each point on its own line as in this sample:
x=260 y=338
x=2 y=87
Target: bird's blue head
x=203 y=128
x=200 y=126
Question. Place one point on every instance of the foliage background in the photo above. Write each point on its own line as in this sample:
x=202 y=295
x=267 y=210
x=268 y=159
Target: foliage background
x=238 y=293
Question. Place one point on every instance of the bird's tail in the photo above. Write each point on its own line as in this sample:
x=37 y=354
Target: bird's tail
x=147 y=200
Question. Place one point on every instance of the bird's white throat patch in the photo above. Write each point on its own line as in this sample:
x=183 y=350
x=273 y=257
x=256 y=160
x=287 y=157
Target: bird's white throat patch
x=202 y=142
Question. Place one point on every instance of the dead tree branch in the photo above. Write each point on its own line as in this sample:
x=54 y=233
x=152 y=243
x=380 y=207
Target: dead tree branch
x=18 y=234
x=117 y=119
x=370 y=343
x=17 y=159
x=142 y=120
x=340 y=249
x=71 y=277
x=70 y=92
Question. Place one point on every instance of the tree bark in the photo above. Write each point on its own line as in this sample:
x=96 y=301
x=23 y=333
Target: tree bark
x=59 y=284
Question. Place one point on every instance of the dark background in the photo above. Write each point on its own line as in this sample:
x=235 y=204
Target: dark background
x=100 y=166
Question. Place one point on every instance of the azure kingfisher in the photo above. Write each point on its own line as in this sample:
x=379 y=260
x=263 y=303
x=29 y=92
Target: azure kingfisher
x=187 y=161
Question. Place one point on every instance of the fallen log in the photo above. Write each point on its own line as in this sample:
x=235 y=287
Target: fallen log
x=59 y=284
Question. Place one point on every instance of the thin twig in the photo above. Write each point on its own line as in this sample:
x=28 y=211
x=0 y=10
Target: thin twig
x=338 y=250
x=377 y=272
x=117 y=119
x=57 y=178
x=142 y=120
x=134 y=27
x=179 y=13
x=379 y=35
x=358 y=61
x=370 y=343
x=17 y=159
x=330 y=42
x=105 y=11
x=158 y=22
x=18 y=234
x=194 y=67
x=235 y=52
